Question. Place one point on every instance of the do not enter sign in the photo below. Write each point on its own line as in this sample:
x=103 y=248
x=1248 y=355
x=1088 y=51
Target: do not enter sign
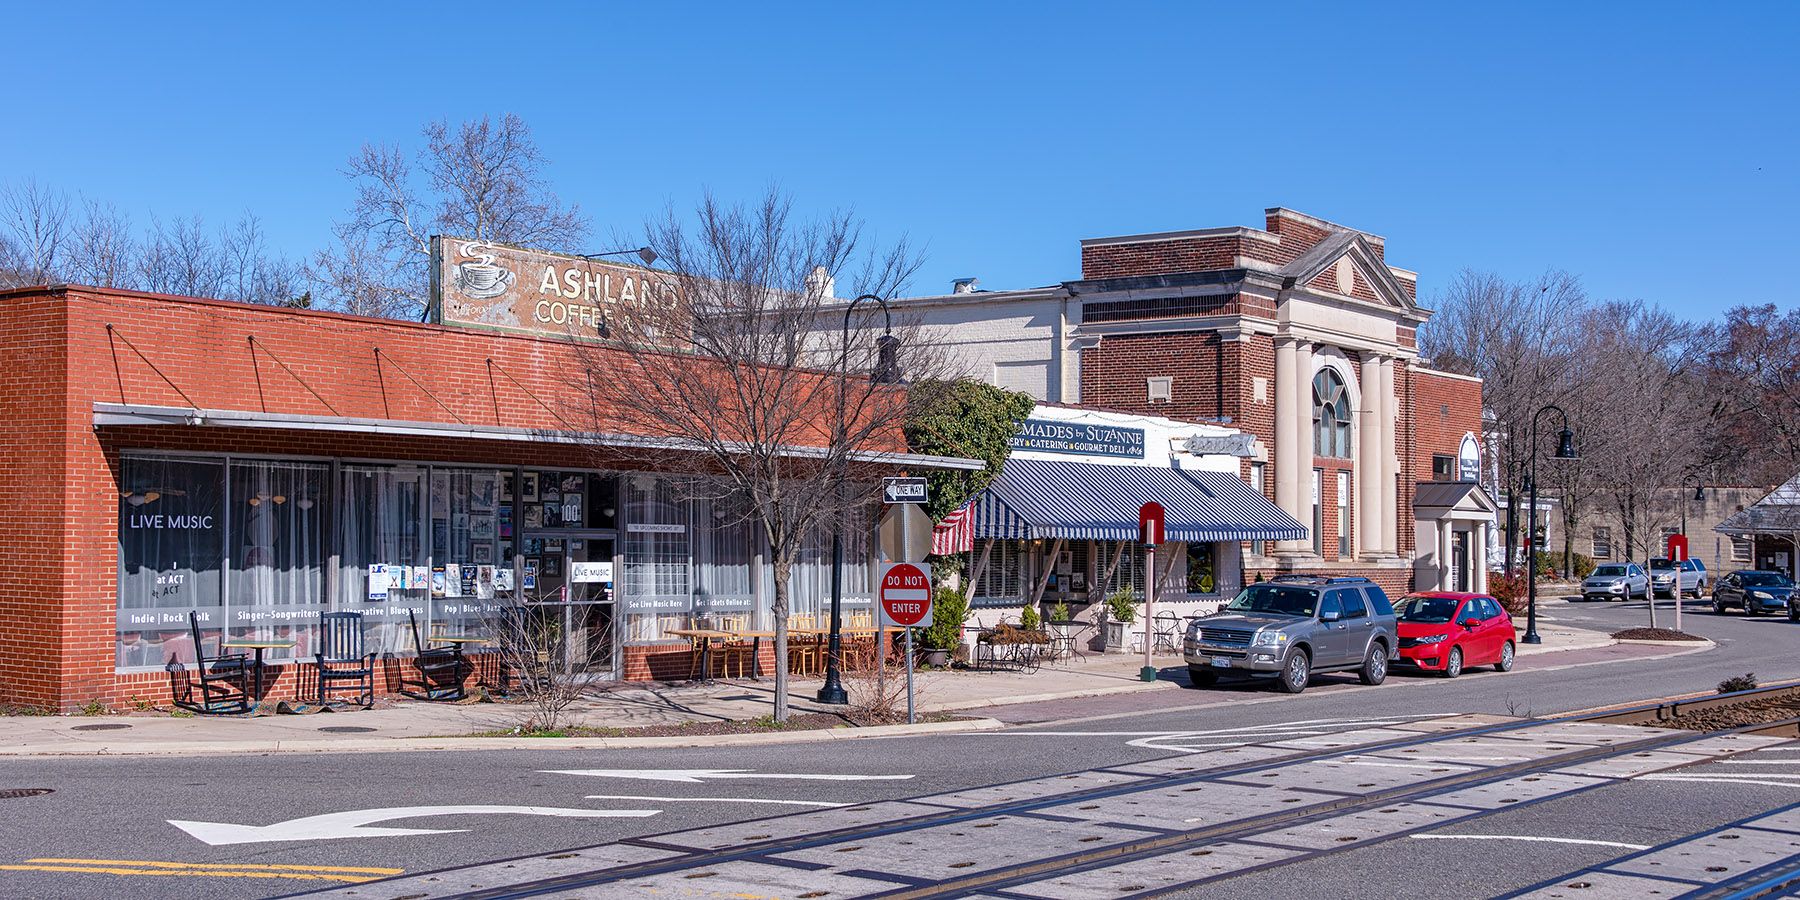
x=905 y=593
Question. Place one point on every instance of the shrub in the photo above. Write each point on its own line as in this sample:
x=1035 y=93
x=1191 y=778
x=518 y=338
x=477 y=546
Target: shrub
x=1121 y=606
x=1552 y=564
x=1744 y=682
x=1028 y=618
x=949 y=609
x=1511 y=589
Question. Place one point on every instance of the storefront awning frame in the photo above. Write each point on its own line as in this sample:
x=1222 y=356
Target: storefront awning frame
x=137 y=415
x=1036 y=499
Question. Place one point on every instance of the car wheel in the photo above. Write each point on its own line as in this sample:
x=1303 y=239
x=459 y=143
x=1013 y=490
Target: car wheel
x=1718 y=607
x=1750 y=610
x=1453 y=663
x=1295 y=674
x=1506 y=658
x=1374 y=667
x=1793 y=612
x=1202 y=677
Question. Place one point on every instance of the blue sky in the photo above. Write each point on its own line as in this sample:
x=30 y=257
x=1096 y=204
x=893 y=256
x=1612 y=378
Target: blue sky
x=1648 y=147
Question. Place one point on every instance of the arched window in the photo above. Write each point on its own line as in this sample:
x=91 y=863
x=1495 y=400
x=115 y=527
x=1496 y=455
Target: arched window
x=1331 y=415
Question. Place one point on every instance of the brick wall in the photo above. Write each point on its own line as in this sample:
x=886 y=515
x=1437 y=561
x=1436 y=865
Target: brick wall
x=1113 y=374
x=1448 y=407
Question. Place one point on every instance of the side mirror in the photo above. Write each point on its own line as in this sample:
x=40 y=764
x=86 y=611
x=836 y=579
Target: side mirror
x=1469 y=623
x=1330 y=616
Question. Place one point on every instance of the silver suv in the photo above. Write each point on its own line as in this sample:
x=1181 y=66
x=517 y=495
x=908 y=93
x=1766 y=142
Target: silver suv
x=1291 y=627
x=1663 y=573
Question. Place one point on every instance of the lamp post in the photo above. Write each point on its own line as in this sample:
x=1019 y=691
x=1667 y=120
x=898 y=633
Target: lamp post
x=1565 y=449
x=886 y=371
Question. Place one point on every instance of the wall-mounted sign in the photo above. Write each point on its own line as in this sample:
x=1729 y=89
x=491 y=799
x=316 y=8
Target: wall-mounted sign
x=490 y=285
x=647 y=528
x=1080 y=439
x=1242 y=445
x=591 y=572
x=1468 y=459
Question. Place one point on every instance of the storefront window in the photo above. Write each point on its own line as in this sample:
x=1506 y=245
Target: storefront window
x=656 y=595
x=1002 y=580
x=471 y=546
x=1202 y=568
x=384 y=571
x=277 y=575
x=723 y=538
x=171 y=548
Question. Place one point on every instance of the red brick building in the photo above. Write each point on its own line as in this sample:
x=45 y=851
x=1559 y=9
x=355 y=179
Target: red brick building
x=255 y=466
x=1300 y=333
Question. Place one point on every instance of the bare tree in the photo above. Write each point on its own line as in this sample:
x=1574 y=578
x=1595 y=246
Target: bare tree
x=730 y=363
x=1642 y=439
x=1752 y=372
x=486 y=182
x=102 y=251
x=250 y=272
x=180 y=258
x=1519 y=338
x=34 y=228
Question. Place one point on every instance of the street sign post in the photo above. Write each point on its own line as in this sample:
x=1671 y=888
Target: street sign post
x=903 y=490
x=1678 y=554
x=905 y=533
x=905 y=599
x=1150 y=532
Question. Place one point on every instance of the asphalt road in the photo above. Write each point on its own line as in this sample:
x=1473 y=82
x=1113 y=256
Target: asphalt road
x=119 y=810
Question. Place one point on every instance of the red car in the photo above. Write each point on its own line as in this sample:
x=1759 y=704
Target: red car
x=1446 y=632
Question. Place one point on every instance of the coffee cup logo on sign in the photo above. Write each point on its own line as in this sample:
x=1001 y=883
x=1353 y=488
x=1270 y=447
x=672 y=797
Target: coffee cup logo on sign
x=481 y=279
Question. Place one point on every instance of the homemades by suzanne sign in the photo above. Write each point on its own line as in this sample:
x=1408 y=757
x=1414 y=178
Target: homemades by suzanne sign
x=1081 y=439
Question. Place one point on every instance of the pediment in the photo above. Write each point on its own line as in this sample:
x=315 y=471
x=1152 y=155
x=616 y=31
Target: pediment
x=1346 y=265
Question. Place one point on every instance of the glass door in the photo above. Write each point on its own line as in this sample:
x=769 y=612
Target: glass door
x=574 y=596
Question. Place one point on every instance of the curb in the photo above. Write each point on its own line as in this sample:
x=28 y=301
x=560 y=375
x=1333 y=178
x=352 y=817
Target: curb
x=1701 y=644
x=415 y=745
x=1134 y=688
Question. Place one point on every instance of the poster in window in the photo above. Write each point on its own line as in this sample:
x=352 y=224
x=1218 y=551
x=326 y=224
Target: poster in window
x=440 y=538
x=552 y=514
x=503 y=578
x=534 y=546
x=534 y=515
x=552 y=567
x=528 y=488
x=1201 y=576
x=553 y=545
x=482 y=552
x=484 y=582
x=531 y=565
x=1065 y=563
x=466 y=575
x=506 y=487
x=481 y=528
x=506 y=554
x=573 y=483
x=437 y=581
x=453 y=580
x=531 y=581
x=571 y=510
x=440 y=494
x=505 y=521
x=550 y=491
x=482 y=493
x=378 y=582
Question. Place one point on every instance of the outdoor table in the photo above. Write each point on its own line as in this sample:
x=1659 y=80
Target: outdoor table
x=755 y=648
x=702 y=639
x=258 y=647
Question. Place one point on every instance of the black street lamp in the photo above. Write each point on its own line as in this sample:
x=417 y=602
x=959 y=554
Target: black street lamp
x=1565 y=449
x=886 y=371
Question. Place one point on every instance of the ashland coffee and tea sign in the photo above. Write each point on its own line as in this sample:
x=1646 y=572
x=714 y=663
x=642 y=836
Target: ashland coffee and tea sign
x=490 y=285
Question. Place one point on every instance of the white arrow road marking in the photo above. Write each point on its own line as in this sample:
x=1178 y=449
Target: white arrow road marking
x=695 y=775
x=352 y=823
x=1395 y=765
x=1521 y=837
x=711 y=800
x=1728 y=779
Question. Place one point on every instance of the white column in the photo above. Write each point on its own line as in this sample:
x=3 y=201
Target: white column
x=1368 y=461
x=1390 y=461
x=1303 y=434
x=1287 y=453
x=1445 y=541
x=1478 y=577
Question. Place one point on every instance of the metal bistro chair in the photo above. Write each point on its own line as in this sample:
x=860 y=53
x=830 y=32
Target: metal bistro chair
x=440 y=669
x=219 y=676
x=342 y=664
x=1168 y=632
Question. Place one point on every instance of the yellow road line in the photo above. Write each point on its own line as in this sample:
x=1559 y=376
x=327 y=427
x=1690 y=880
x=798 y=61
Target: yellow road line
x=111 y=870
x=183 y=865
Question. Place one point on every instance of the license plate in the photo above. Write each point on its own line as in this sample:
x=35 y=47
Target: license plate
x=1220 y=662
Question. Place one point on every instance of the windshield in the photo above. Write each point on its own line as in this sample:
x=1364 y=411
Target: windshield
x=1767 y=579
x=1661 y=564
x=1609 y=570
x=1268 y=598
x=1429 y=610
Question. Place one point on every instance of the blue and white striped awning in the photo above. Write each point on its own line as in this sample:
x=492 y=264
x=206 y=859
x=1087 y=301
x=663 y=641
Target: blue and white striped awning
x=1040 y=498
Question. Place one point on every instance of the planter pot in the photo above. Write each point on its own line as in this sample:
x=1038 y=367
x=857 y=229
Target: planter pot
x=937 y=659
x=1117 y=636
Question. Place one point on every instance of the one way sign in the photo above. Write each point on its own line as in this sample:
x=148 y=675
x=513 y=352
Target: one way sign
x=903 y=490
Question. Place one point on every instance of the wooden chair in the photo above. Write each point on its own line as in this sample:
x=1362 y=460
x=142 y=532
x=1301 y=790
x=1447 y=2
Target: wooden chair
x=737 y=650
x=220 y=677
x=342 y=664
x=440 y=669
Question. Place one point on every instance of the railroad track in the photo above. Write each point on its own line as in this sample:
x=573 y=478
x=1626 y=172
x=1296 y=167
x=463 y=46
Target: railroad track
x=1057 y=831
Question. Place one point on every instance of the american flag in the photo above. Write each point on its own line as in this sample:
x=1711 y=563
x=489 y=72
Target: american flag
x=956 y=534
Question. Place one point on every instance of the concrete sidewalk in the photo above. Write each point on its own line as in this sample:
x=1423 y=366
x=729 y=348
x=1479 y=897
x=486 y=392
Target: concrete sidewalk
x=409 y=725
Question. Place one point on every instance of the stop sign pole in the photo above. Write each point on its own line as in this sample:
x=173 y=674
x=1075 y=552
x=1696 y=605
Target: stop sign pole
x=1150 y=532
x=905 y=599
